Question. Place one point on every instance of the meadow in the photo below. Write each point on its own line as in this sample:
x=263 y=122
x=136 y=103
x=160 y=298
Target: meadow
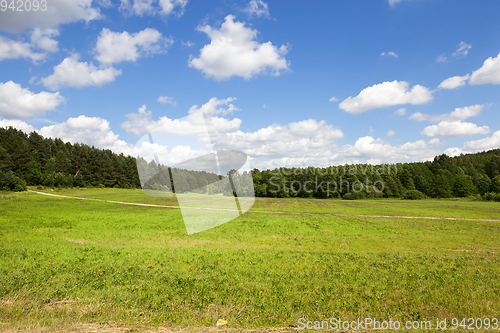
x=66 y=261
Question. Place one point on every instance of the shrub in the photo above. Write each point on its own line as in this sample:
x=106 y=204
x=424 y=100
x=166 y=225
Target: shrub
x=10 y=182
x=413 y=195
x=491 y=196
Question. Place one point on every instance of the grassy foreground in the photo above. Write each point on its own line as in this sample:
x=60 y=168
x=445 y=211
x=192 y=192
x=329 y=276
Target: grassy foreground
x=73 y=261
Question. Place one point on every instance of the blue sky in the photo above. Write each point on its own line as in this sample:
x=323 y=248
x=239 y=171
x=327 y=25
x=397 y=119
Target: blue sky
x=292 y=83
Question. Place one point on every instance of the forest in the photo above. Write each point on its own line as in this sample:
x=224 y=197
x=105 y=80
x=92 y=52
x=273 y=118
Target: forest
x=32 y=160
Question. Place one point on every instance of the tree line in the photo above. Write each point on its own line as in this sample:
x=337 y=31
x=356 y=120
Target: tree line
x=32 y=160
x=444 y=177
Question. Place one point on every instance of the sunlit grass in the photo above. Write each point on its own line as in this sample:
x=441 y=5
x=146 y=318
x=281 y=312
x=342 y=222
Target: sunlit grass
x=87 y=261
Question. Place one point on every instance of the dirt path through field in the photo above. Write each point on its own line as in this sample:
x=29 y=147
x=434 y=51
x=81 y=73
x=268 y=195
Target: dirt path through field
x=116 y=328
x=273 y=212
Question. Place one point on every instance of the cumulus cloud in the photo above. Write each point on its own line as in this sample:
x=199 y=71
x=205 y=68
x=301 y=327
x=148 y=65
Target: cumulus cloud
x=454 y=151
x=457 y=115
x=454 y=82
x=368 y=147
x=153 y=7
x=386 y=94
x=308 y=137
x=462 y=50
x=89 y=130
x=115 y=47
x=169 y=6
x=294 y=140
x=141 y=122
x=18 y=124
x=491 y=142
x=488 y=73
x=215 y=106
x=234 y=51
x=21 y=103
x=365 y=150
x=391 y=133
x=258 y=8
x=454 y=129
x=389 y=54
x=73 y=73
x=57 y=12
x=167 y=100
x=43 y=39
x=10 y=49
x=400 y=112
x=334 y=99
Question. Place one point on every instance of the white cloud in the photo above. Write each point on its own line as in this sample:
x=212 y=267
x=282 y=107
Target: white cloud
x=188 y=44
x=441 y=58
x=21 y=103
x=400 y=112
x=89 y=130
x=57 y=12
x=73 y=73
x=18 y=124
x=463 y=50
x=141 y=122
x=10 y=49
x=375 y=151
x=488 y=143
x=168 y=6
x=212 y=107
x=457 y=115
x=153 y=7
x=258 y=8
x=142 y=7
x=234 y=51
x=115 y=47
x=454 y=151
x=167 y=100
x=303 y=138
x=488 y=73
x=454 y=82
x=334 y=99
x=386 y=94
x=391 y=133
x=389 y=54
x=295 y=140
x=42 y=39
x=454 y=129
x=104 y=3
x=393 y=2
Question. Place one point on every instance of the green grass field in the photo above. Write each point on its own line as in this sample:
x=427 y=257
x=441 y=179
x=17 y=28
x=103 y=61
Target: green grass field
x=66 y=261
